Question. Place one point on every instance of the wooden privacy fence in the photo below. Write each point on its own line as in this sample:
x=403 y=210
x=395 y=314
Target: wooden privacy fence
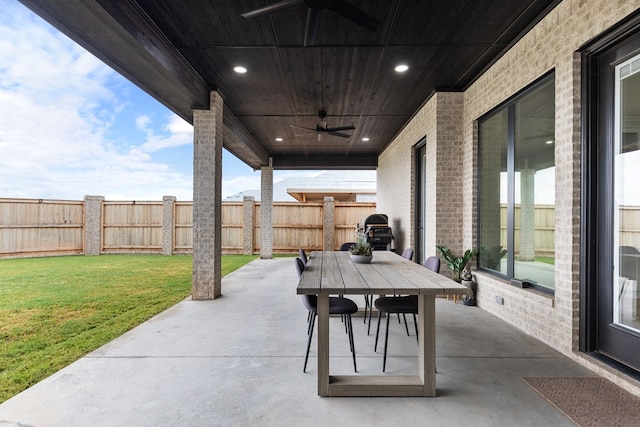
x=33 y=227
x=95 y=226
x=41 y=227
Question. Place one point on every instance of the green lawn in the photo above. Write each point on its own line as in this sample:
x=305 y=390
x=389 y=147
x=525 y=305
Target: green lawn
x=55 y=310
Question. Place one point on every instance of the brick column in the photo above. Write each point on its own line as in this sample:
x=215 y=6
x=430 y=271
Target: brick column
x=207 y=199
x=93 y=224
x=328 y=224
x=168 y=203
x=266 y=208
x=248 y=224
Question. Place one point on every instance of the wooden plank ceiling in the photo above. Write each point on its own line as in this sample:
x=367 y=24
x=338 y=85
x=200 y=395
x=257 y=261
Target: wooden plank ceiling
x=180 y=50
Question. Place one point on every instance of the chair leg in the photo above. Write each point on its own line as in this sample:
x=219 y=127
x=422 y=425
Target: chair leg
x=310 y=327
x=375 y=347
x=366 y=307
x=306 y=356
x=352 y=343
x=386 y=341
x=370 y=314
x=406 y=326
x=416 y=325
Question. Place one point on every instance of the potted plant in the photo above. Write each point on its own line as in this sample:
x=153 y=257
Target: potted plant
x=361 y=252
x=461 y=274
x=491 y=257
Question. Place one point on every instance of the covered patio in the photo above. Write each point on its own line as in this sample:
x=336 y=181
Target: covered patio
x=238 y=361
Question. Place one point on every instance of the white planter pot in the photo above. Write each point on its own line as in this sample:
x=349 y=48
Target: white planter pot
x=361 y=259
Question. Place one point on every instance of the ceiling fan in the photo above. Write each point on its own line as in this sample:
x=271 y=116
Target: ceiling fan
x=314 y=15
x=322 y=128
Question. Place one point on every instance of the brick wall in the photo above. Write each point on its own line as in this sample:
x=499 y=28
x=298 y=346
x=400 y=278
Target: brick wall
x=439 y=123
x=448 y=123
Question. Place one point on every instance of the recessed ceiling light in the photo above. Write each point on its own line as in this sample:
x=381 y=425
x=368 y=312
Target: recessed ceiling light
x=279 y=139
x=401 y=68
x=365 y=139
x=240 y=69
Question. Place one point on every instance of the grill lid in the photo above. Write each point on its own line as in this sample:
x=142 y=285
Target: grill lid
x=374 y=220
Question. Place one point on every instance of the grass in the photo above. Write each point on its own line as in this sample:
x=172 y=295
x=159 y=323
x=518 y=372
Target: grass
x=55 y=310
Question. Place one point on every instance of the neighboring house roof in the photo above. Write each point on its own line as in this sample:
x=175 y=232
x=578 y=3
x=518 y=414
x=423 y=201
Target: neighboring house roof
x=340 y=184
x=317 y=195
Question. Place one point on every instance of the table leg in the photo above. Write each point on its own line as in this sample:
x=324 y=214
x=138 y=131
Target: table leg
x=427 y=343
x=323 y=345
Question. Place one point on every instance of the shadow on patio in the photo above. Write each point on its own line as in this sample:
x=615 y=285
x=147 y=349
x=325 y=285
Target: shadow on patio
x=238 y=361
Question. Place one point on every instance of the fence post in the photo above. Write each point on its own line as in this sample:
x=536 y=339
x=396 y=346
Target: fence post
x=167 y=224
x=328 y=224
x=93 y=224
x=248 y=224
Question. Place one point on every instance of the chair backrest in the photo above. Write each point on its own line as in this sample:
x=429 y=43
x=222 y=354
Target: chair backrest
x=628 y=250
x=346 y=246
x=309 y=301
x=408 y=254
x=299 y=267
x=303 y=256
x=432 y=263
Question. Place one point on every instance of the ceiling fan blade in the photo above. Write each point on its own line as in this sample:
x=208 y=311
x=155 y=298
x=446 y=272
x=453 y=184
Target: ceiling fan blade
x=314 y=18
x=302 y=127
x=355 y=14
x=272 y=8
x=340 y=128
x=341 y=135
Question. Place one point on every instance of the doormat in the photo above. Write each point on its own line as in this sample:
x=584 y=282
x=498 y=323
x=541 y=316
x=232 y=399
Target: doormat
x=589 y=401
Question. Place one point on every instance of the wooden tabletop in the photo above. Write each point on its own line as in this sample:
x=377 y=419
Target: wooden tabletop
x=333 y=272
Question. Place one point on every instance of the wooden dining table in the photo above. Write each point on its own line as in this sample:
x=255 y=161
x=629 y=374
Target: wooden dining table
x=334 y=273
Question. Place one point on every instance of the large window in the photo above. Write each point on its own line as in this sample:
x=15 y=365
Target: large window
x=516 y=187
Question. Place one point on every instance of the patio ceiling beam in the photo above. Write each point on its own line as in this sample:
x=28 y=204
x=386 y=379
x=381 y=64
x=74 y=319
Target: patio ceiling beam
x=325 y=162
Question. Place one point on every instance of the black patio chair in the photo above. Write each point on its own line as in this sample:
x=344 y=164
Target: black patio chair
x=400 y=305
x=346 y=246
x=368 y=308
x=303 y=256
x=367 y=301
x=337 y=305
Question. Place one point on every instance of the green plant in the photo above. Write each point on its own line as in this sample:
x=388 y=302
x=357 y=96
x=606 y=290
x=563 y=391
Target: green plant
x=490 y=257
x=457 y=263
x=361 y=248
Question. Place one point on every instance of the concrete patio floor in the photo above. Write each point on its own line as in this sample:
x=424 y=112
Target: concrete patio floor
x=237 y=361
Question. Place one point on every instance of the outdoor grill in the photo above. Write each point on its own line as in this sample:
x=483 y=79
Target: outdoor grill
x=374 y=229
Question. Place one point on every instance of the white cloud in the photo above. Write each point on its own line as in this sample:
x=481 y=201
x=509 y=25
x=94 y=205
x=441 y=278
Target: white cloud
x=142 y=122
x=58 y=106
x=67 y=128
x=240 y=184
x=180 y=133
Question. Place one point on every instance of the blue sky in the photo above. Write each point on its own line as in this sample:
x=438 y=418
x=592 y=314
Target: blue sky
x=70 y=126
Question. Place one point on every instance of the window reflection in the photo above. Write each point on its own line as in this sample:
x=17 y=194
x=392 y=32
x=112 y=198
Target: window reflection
x=627 y=195
x=517 y=187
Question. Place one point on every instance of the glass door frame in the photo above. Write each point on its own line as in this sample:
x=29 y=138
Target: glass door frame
x=420 y=154
x=599 y=59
